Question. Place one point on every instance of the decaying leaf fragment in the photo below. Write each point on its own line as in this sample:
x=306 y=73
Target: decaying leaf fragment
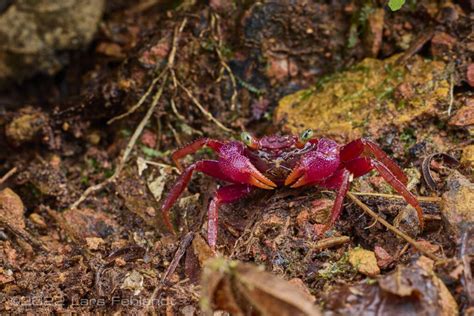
x=409 y=290
x=245 y=289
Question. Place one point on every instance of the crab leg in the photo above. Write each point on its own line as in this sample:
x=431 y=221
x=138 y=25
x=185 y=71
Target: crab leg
x=359 y=165
x=356 y=148
x=210 y=167
x=400 y=188
x=247 y=175
x=223 y=195
x=193 y=147
x=341 y=193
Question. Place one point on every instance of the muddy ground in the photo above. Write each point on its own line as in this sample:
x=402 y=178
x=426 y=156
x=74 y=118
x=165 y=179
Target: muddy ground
x=85 y=165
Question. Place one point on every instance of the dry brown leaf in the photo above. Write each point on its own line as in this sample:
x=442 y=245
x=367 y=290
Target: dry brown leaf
x=242 y=288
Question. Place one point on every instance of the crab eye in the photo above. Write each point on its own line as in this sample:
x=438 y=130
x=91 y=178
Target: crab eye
x=247 y=139
x=306 y=135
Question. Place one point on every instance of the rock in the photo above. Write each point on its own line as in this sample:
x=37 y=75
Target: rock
x=457 y=206
x=38 y=220
x=463 y=117
x=281 y=68
x=6 y=276
x=86 y=223
x=470 y=75
x=373 y=38
x=384 y=259
x=442 y=43
x=343 y=105
x=35 y=34
x=11 y=209
x=93 y=243
x=364 y=261
x=467 y=157
x=26 y=126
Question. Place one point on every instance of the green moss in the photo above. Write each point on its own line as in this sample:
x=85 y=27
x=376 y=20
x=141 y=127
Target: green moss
x=336 y=268
x=349 y=103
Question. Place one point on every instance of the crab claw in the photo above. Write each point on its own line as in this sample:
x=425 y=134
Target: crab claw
x=297 y=177
x=315 y=166
x=256 y=178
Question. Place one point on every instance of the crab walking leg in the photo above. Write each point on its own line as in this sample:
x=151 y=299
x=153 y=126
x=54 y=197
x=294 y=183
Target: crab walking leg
x=193 y=147
x=400 y=188
x=223 y=195
x=210 y=167
x=356 y=148
x=341 y=193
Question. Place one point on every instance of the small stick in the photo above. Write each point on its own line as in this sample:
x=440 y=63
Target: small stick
x=206 y=113
x=392 y=228
x=8 y=175
x=331 y=242
x=22 y=234
x=433 y=199
x=139 y=103
x=170 y=64
x=131 y=144
x=326 y=243
x=183 y=245
x=451 y=94
x=415 y=46
x=127 y=151
x=215 y=22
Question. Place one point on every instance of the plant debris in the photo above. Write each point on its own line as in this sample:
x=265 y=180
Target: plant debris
x=94 y=102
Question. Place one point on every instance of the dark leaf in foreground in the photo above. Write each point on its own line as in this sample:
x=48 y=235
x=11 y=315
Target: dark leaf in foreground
x=244 y=289
x=410 y=290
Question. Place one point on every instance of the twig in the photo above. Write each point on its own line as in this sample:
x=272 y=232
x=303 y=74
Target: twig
x=140 y=102
x=331 y=242
x=175 y=111
x=324 y=244
x=433 y=199
x=392 y=228
x=451 y=94
x=131 y=144
x=175 y=135
x=22 y=234
x=127 y=151
x=415 y=46
x=8 y=175
x=202 y=109
x=161 y=165
x=214 y=21
x=171 y=59
x=183 y=245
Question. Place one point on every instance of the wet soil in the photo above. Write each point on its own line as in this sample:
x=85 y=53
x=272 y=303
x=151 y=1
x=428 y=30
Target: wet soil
x=233 y=63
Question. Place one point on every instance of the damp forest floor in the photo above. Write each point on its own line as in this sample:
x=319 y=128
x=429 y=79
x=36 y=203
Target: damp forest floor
x=85 y=162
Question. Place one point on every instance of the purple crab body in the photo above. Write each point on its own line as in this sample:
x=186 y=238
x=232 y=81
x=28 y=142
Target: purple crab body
x=275 y=161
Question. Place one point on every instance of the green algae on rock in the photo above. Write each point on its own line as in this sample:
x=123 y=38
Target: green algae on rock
x=367 y=97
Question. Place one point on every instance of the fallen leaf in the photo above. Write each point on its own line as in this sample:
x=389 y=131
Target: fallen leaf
x=409 y=291
x=243 y=289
